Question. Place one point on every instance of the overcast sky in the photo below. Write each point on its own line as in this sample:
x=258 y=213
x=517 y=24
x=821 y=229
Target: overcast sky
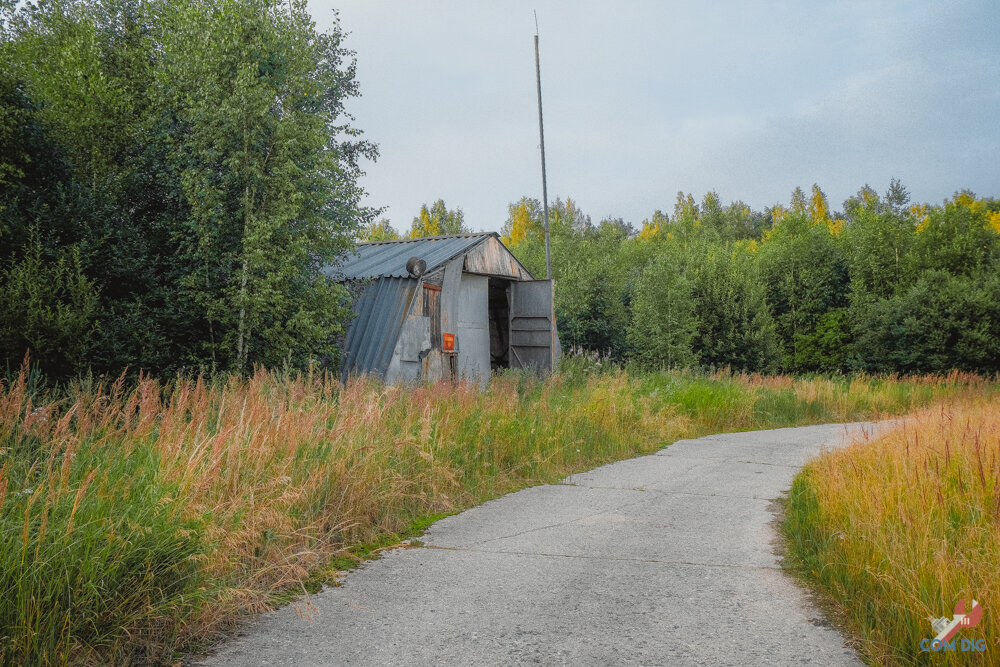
x=643 y=99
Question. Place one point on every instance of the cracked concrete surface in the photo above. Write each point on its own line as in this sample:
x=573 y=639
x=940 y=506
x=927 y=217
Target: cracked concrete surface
x=661 y=560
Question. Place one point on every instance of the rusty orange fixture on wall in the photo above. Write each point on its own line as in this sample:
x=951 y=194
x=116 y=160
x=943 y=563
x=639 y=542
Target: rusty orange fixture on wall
x=449 y=342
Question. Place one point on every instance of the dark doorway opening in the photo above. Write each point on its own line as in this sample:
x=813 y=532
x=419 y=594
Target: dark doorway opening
x=499 y=311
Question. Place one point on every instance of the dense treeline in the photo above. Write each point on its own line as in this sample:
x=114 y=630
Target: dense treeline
x=884 y=286
x=173 y=176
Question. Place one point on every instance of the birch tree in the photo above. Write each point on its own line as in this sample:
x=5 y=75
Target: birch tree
x=269 y=169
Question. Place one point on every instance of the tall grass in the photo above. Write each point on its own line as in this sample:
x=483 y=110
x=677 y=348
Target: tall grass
x=139 y=520
x=899 y=529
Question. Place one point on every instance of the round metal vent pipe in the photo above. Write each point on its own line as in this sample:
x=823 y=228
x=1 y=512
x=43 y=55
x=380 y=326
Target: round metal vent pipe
x=416 y=267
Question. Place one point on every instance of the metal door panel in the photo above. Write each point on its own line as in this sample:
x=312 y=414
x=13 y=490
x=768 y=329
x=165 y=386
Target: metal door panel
x=531 y=323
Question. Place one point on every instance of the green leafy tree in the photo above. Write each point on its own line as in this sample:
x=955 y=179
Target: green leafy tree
x=957 y=237
x=378 y=231
x=804 y=269
x=800 y=288
x=55 y=185
x=740 y=222
x=685 y=226
x=663 y=315
x=936 y=309
x=592 y=310
x=734 y=327
x=257 y=94
x=877 y=243
x=89 y=63
x=437 y=220
x=829 y=347
x=941 y=322
x=199 y=158
x=48 y=309
x=866 y=198
x=35 y=187
x=124 y=196
x=799 y=204
x=568 y=225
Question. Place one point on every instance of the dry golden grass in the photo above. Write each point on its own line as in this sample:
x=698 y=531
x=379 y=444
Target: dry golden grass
x=270 y=478
x=147 y=517
x=899 y=529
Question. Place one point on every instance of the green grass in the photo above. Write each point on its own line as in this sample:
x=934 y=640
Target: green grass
x=90 y=560
x=897 y=530
x=358 y=553
x=142 y=521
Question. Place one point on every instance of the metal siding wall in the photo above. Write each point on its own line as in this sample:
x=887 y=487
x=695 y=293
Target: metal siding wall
x=373 y=335
x=474 y=329
x=414 y=337
x=449 y=295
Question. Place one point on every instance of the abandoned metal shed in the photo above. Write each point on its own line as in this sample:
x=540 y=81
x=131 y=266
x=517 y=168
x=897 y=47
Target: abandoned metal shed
x=444 y=307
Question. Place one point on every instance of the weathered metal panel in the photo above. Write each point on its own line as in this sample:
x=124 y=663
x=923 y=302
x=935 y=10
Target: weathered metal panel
x=438 y=365
x=434 y=277
x=531 y=323
x=450 y=288
x=474 y=328
x=415 y=337
x=493 y=259
x=401 y=370
x=373 y=334
x=414 y=340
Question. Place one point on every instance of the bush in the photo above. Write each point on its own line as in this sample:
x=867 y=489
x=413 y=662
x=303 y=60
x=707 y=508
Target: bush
x=49 y=308
x=942 y=322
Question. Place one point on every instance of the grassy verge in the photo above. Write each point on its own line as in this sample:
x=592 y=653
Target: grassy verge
x=898 y=530
x=139 y=521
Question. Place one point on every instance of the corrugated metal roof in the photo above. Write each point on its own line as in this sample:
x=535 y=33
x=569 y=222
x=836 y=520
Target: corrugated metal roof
x=388 y=258
x=372 y=336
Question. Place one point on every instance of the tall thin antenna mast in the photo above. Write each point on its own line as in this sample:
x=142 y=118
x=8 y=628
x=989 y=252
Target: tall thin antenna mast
x=541 y=139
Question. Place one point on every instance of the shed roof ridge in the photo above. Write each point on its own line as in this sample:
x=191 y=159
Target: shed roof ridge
x=467 y=235
x=388 y=258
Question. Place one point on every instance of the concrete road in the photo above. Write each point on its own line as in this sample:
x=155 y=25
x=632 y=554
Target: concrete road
x=667 y=559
